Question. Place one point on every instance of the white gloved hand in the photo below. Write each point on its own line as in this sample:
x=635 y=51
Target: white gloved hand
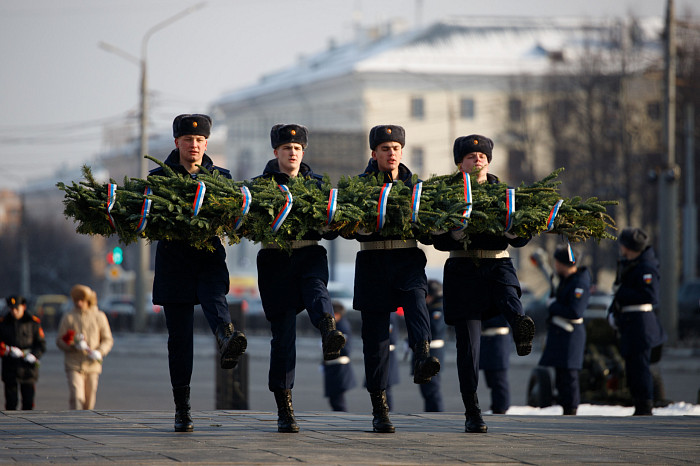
x=16 y=352
x=458 y=235
x=95 y=355
x=438 y=232
x=363 y=232
x=82 y=345
x=30 y=358
x=510 y=235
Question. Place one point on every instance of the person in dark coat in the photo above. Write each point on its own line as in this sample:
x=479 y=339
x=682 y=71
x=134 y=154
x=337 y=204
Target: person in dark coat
x=494 y=361
x=390 y=273
x=431 y=393
x=290 y=283
x=632 y=312
x=480 y=283
x=338 y=376
x=566 y=334
x=22 y=343
x=186 y=276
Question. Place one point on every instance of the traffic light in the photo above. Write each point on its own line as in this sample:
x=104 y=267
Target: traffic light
x=115 y=256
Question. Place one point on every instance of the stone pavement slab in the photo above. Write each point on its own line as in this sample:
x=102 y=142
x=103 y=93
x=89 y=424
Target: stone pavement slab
x=250 y=437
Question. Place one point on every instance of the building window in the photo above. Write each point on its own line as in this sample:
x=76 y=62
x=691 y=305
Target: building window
x=417 y=107
x=654 y=111
x=417 y=160
x=466 y=108
x=515 y=109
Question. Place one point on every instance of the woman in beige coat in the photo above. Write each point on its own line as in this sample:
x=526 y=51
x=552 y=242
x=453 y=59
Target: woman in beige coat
x=85 y=338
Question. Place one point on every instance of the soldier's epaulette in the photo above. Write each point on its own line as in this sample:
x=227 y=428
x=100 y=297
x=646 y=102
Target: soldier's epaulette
x=36 y=319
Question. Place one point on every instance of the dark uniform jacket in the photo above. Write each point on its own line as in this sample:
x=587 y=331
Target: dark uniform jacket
x=181 y=269
x=26 y=334
x=638 y=283
x=378 y=273
x=564 y=348
x=279 y=273
x=464 y=278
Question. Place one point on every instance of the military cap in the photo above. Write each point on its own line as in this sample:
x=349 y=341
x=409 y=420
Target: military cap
x=15 y=300
x=386 y=133
x=473 y=143
x=283 y=134
x=561 y=255
x=634 y=239
x=192 y=124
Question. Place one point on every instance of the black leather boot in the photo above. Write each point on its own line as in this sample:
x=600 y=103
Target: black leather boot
x=474 y=423
x=523 y=334
x=285 y=412
x=232 y=344
x=643 y=407
x=380 y=412
x=183 y=418
x=333 y=339
x=570 y=411
x=426 y=366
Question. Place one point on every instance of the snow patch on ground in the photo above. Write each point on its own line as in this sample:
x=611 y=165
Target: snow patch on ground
x=675 y=409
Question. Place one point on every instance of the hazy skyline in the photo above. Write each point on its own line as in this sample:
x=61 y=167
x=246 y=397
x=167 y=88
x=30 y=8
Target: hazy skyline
x=58 y=88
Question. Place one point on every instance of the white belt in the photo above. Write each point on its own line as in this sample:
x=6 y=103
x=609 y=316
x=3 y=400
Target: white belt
x=437 y=343
x=480 y=254
x=638 y=308
x=495 y=331
x=566 y=324
x=295 y=244
x=340 y=360
x=388 y=244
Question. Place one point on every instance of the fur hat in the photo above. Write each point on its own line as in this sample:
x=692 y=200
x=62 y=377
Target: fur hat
x=386 y=133
x=192 y=123
x=434 y=289
x=473 y=143
x=634 y=239
x=283 y=134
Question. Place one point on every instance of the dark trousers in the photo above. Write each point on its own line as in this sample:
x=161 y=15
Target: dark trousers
x=568 y=389
x=639 y=378
x=284 y=333
x=432 y=397
x=468 y=335
x=179 y=319
x=375 y=347
x=337 y=401
x=497 y=381
x=11 y=395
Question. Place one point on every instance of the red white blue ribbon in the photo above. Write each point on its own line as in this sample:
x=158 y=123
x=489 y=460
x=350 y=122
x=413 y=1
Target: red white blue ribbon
x=247 y=198
x=415 y=200
x=198 y=198
x=466 y=180
x=381 y=205
x=111 y=199
x=553 y=214
x=279 y=220
x=510 y=207
x=332 y=205
x=145 y=208
x=570 y=252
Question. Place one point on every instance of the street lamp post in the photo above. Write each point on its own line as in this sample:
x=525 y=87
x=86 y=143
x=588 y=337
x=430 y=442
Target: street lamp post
x=142 y=247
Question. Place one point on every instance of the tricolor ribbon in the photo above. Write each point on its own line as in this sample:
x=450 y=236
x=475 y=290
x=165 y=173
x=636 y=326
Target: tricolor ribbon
x=415 y=200
x=279 y=220
x=111 y=199
x=467 y=182
x=553 y=214
x=247 y=198
x=381 y=206
x=332 y=205
x=145 y=208
x=198 y=198
x=510 y=206
x=570 y=252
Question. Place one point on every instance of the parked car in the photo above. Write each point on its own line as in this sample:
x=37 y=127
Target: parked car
x=120 y=310
x=689 y=309
x=49 y=308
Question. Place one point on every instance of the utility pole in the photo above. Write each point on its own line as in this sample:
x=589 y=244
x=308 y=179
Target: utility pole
x=690 y=210
x=668 y=191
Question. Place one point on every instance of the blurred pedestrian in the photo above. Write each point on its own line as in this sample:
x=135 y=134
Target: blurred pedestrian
x=290 y=283
x=22 y=343
x=432 y=396
x=338 y=376
x=632 y=313
x=566 y=334
x=494 y=361
x=186 y=276
x=85 y=338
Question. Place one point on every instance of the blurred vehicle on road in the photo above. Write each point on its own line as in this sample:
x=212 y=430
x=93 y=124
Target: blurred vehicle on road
x=49 y=308
x=120 y=310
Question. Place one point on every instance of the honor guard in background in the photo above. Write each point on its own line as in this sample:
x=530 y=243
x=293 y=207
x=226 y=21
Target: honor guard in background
x=390 y=273
x=186 y=276
x=290 y=283
x=338 y=376
x=22 y=343
x=566 y=334
x=632 y=313
x=480 y=283
x=494 y=360
x=432 y=396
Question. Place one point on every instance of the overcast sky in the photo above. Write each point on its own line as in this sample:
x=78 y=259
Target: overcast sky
x=58 y=88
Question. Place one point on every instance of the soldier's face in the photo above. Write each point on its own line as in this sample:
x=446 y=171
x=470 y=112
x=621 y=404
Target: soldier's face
x=18 y=311
x=289 y=157
x=192 y=149
x=388 y=156
x=475 y=161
